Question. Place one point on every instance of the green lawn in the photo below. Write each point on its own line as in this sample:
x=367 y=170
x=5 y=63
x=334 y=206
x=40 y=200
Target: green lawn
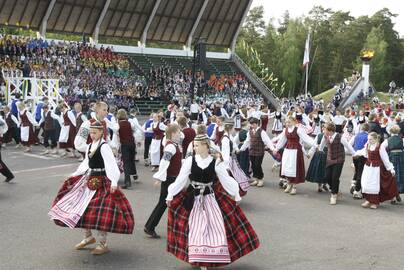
x=326 y=95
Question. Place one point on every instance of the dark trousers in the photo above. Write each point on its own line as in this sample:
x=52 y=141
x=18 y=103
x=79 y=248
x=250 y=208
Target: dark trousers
x=256 y=165
x=359 y=163
x=332 y=174
x=49 y=135
x=128 y=157
x=4 y=170
x=12 y=133
x=147 y=142
x=161 y=206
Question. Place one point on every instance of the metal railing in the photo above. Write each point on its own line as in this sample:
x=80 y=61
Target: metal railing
x=258 y=83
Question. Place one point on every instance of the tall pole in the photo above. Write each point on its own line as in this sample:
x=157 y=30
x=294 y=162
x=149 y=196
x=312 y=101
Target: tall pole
x=307 y=79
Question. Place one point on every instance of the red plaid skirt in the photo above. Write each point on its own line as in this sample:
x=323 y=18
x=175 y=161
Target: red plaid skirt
x=241 y=237
x=109 y=212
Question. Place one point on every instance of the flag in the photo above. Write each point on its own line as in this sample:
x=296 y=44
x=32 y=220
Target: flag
x=306 y=58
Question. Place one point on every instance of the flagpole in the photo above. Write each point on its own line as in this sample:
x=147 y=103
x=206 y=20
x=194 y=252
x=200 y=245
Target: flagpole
x=307 y=79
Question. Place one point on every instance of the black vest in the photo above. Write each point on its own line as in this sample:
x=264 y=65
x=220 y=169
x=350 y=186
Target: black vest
x=96 y=161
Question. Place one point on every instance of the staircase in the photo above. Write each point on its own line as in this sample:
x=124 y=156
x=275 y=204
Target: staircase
x=269 y=95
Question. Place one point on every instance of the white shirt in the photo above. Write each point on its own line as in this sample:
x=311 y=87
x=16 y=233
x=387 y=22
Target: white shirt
x=264 y=137
x=111 y=167
x=228 y=182
x=194 y=108
x=161 y=174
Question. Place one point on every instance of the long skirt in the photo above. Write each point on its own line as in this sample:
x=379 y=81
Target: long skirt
x=316 y=171
x=241 y=237
x=28 y=137
x=128 y=157
x=244 y=161
x=388 y=188
x=238 y=174
x=65 y=143
x=290 y=160
x=106 y=211
x=398 y=161
x=264 y=123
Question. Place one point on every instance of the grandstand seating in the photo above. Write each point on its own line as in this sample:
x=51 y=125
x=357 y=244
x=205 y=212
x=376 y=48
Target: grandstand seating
x=146 y=107
x=142 y=63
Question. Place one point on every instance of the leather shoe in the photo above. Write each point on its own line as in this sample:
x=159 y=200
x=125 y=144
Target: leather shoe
x=151 y=234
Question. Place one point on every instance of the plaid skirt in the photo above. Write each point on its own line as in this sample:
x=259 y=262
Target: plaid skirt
x=109 y=212
x=241 y=237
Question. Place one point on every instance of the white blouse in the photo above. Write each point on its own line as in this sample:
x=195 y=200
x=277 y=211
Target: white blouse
x=383 y=154
x=111 y=167
x=228 y=182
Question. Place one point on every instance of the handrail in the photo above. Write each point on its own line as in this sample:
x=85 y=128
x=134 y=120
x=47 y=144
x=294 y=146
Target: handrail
x=260 y=83
x=357 y=82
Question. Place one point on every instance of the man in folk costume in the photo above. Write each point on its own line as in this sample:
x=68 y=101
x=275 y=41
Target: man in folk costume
x=206 y=227
x=189 y=134
x=256 y=141
x=378 y=183
x=158 y=129
x=90 y=198
x=67 y=135
x=80 y=119
x=125 y=130
x=169 y=168
x=148 y=137
x=13 y=131
x=48 y=123
x=292 y=139
x=335 y=158
x=27 y=123
x=358 y=142
x=83 y=137
x=4 y=170
x=395 y=148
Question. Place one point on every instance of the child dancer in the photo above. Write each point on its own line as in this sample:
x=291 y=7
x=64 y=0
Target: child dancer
x=158 y=129
x=27 y=123
x=90 y=198
x=292 y=167
x=378 y=183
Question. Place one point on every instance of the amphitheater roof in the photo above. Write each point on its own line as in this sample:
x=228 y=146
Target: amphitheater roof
x=169 y=21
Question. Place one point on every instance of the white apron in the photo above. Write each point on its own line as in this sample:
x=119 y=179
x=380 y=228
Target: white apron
x=289 y=158
x=64 y=134
x=207 y=241
x=371 y=180
x=73 y=204
x=155 y=152
x=25 y=134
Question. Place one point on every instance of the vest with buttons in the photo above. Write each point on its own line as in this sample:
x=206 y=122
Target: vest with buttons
x=175 y=162
x=256 y=144
x=336 y=152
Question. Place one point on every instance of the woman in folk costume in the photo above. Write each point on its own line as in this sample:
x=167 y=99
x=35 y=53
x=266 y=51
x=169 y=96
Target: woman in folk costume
x=125 y=130
x=292 y=166
x=395 y=148
x=27 y=123
x=206 y=227
x=336 y=146
x=277 y=126
x=218 y=131
x=227 y=148
x=264 y=117
x=378 y=183
x=243 y=158
x=158 y=129
x=4 y=170
x=257 y=140
x=67 y=122
x=201 y=130
x=90 y=198
x=316 y=125
x=316 y=170
x=168 y=171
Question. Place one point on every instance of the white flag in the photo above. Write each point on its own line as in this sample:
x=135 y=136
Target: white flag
x=306 y=58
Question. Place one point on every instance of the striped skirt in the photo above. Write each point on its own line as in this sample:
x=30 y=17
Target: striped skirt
x=238 y=174
x=207 y=240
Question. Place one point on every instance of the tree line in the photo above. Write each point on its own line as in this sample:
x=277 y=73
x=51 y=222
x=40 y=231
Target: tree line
x=336 y=41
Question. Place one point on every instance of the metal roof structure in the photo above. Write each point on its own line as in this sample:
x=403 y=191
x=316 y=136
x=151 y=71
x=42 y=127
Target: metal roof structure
x=172 y=21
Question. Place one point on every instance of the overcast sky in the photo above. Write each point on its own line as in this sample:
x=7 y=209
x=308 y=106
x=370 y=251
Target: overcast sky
x=296 y=8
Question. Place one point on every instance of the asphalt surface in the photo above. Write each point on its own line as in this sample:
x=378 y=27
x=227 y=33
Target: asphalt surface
x=296 y=232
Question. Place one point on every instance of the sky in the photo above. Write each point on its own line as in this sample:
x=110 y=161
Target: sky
x=296 y=8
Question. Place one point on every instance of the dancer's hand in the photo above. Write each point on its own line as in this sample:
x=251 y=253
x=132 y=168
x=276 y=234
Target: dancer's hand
x=157 y=183
x=393 y=172
x=168 y=203
x=113 y=189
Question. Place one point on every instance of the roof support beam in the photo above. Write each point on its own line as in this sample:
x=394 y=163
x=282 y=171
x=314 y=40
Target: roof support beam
x=233 y=42
x=149 y=21
x=44 y=22
x=100 y=19
x=196 y=23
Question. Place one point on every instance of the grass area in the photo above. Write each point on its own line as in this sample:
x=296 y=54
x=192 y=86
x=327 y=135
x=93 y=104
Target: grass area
x=326 y=95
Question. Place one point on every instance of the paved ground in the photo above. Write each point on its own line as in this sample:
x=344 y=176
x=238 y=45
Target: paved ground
x=296 y=232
